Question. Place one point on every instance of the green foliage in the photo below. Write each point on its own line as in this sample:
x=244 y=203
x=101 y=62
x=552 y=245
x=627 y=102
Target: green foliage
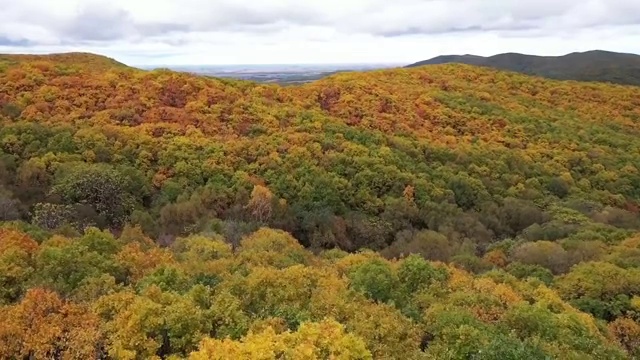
x=167 y=278
x=414 y=273
x=600 y=288
x=531 y=321
x=12 y=111
x=504 y=347
x=103 y=189
x=64 y=268
x=53 y=216
x=468 y=192
x=523 y=271
x=375 y=280
x=558 y=187
x=16 y=269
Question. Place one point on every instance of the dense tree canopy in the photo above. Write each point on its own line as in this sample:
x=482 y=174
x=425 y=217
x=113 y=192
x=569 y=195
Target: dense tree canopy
x=127 y=298
x=444 y=212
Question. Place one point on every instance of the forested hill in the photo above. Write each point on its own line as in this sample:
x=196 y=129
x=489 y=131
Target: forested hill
x=605 y=66
x=518 y=195
x=73 y=60
x=357 y=157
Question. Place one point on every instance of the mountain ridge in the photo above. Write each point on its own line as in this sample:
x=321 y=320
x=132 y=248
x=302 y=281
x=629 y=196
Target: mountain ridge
x=593 y=65
x=85 y=60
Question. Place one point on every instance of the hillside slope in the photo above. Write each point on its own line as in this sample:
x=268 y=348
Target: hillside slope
x=86 y=61
x=349 y=146
x=518 y=197
x=602 y=66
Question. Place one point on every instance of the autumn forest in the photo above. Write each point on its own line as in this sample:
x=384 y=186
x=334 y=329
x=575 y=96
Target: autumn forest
x=437 y=212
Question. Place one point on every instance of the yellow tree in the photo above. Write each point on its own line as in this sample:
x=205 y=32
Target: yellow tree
x=260 y=204
x=16 y=263
x=43 y=326
x=324 y=340
x=627 y=333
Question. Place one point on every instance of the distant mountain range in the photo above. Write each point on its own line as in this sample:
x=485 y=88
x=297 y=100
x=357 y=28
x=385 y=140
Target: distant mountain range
x=597 y=65
x=283 y=74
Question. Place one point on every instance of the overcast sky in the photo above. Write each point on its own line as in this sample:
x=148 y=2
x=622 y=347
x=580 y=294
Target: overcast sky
x=164 y=32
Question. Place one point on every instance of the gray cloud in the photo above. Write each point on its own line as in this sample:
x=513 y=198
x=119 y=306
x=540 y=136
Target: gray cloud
x=502 y=29
x=365 y=27
x=155 y=29
x=453 y=16
x=102 y=21
x=223 y=15
x=4 y=41
x=99 y=23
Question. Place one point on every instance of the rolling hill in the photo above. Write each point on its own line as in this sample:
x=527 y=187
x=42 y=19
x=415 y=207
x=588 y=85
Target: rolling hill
x=618 y=68
x=352 y=143
x=157 y=214
x=84 y=61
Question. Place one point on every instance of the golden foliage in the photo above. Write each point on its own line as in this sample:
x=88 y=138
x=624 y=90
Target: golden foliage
x=323 y=340
x=44 y=326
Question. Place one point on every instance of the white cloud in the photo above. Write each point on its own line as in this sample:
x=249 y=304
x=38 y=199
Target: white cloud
x=315 y=31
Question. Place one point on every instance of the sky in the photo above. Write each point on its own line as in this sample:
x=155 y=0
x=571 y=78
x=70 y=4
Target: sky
x=202 y=32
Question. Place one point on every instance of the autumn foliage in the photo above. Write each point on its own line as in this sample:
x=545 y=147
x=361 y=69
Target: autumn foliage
x=444 y=212
x=272 y=299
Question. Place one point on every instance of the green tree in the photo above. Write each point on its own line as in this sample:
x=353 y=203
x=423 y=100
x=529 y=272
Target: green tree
x=375 y=280
x=102 y=188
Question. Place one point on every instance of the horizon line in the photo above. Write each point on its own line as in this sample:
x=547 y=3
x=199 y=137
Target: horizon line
x=387 y=63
